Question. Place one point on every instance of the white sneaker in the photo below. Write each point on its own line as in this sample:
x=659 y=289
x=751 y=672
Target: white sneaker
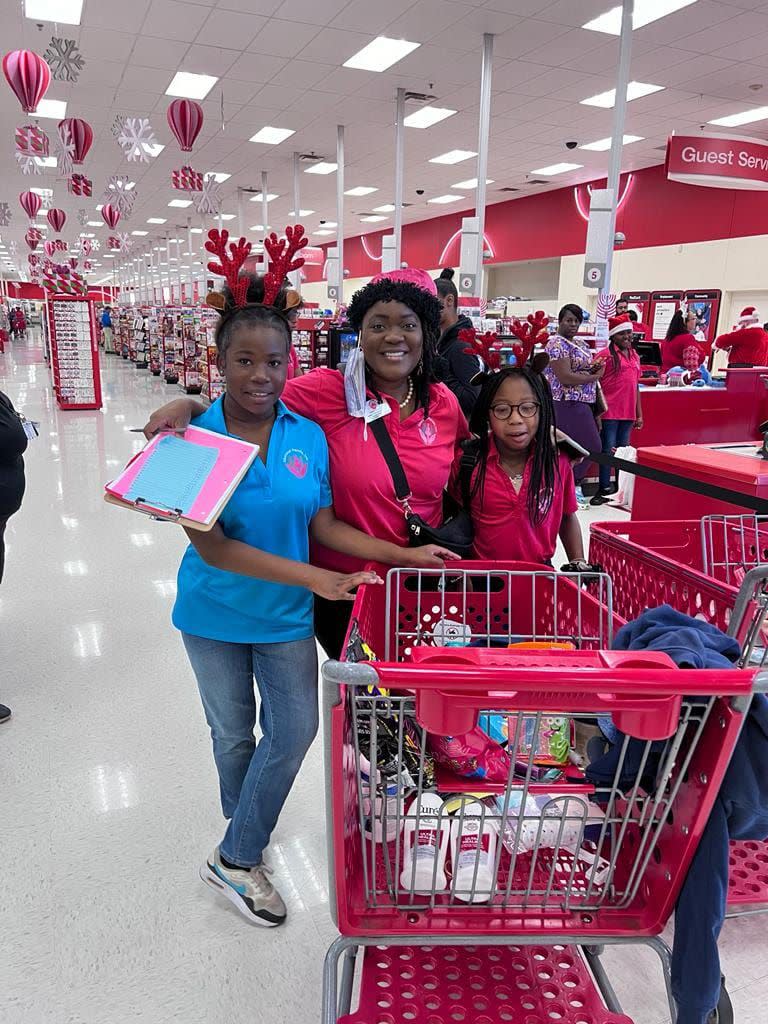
x=250 y=890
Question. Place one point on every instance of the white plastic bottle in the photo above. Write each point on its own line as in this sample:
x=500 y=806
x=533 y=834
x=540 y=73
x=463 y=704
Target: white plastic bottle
x=473 y=853
x=425 y=846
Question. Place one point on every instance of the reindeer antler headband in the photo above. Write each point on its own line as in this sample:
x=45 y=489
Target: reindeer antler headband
x=483 y=346
x=281 y=252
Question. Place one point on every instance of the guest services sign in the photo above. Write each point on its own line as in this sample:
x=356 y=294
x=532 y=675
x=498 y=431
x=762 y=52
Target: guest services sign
x=718 y=161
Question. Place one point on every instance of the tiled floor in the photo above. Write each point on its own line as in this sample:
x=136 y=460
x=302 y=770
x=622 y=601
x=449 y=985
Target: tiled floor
x=109 y=797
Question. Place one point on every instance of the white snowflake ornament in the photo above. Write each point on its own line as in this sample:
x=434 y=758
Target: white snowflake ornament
x=46 y=200
x=95 y=245
x=137 y=139
x=126 y=242
x=27 y=163
x=13 y=249
x=121 y=192
x=209 y=203
x=64 y=59
x=5 y=215
x=82 y=217
x=64 y=150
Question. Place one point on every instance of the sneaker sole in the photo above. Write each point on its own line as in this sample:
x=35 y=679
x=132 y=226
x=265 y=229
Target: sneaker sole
x=212 y=879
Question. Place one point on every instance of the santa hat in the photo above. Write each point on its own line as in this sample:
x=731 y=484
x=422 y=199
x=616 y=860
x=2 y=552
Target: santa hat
x=617 y=324
x=749 y=316
x=409 y=275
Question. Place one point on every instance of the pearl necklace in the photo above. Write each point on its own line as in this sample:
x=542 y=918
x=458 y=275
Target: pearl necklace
x=409 y=396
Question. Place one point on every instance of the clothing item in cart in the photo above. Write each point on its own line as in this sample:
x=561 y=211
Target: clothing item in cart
x=690 y=643
x=473 y=755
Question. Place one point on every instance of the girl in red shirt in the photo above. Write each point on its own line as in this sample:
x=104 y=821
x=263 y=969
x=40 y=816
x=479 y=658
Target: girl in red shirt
x=680 y=348
x=621 y=389
x=522 y=494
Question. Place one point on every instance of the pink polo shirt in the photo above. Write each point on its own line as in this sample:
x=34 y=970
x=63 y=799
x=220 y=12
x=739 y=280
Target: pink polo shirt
x=620 y=385
x=363 y=491
x=503 y=529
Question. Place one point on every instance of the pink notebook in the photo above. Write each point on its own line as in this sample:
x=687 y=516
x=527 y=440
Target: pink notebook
x=185 y=478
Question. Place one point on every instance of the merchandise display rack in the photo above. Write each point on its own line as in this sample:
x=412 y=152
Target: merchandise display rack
x=310 y=341
x=170 y=345
x=213 y=383
x=140 y=338
x=155 y=341
x=74 y=351
x=192 y=367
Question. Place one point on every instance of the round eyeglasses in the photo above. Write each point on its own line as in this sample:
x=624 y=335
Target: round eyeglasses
x=503 y=410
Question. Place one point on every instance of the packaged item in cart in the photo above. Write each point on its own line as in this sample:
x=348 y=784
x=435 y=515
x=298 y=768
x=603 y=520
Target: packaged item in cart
x=382 y=810
x=549 y=744
x=425 y=845
x=473 y=755
x=404 y=764
x=473 y=853
x=548 y=821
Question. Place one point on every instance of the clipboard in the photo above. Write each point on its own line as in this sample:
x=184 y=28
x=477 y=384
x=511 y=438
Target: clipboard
x=208 y=477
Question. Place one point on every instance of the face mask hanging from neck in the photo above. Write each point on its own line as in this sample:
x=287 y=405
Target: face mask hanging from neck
x=359 y=404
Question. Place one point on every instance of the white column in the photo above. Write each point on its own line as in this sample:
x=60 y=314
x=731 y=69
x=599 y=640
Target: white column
x=482 y=150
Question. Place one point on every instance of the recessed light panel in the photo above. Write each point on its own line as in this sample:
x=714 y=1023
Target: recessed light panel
x=744 y=117
x=634 y=91
x=553 y=169
x=323 y=167
x=602 y=145
x=381 y=54
x=360 y=190
x=272 y=136
x=189 y=86
x=453 y=156
x=427 y=116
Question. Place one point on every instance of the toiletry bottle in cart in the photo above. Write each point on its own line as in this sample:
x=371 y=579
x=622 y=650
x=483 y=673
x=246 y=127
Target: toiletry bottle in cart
x=473 y=853
x=425 y=846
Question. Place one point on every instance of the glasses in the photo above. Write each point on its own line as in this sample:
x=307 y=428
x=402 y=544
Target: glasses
x=504 y=410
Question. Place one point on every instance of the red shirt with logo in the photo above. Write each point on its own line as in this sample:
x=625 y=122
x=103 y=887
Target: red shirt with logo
x=363 y=491
x=620 y=383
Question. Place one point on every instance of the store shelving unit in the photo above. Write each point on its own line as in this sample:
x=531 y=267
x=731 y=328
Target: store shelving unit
x=154 y=321
x=193 y=365
x=170 y=345
x=74 y=352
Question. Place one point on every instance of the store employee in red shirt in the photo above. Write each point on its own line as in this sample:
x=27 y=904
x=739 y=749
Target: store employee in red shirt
x=748 y=345
x=397 y=317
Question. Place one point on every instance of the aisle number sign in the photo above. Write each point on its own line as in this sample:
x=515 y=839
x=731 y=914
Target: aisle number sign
x=718 y=161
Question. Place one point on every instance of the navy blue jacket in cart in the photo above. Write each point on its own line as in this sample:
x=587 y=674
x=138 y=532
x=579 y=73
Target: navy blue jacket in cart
x=740 y=811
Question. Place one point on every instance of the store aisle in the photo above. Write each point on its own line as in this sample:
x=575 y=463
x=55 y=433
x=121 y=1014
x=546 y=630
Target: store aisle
x=109 y=796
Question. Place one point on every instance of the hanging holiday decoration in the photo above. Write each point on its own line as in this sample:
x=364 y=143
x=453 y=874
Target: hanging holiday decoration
x=34 y=264
x=110 y=215
x=95 y=245
x=185 y=119
x=30 y=203
x=137 y=139
x=209 y=203
x=28 y=164
x=85 y=246
x=13 y=249
x=72 y=262
x=79 y=185
x=82 y=217
x=31 y=139
x=29 y=77
x=121 y=193
x=64 y=150
x=87 y=265
x=81 y=136
x=113 y=242
x=33 y=238
x=54 y=245
x=5 y=215
x=64 y=59
x=57 y=219
x=187 y=180
x=117 y=125
x=125 y=240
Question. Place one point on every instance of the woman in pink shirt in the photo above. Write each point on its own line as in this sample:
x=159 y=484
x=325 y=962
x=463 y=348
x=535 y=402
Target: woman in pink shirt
x=621 y=388
x=397 y=317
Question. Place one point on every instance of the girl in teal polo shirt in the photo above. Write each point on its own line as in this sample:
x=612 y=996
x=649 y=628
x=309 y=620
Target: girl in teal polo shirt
x=244 y=604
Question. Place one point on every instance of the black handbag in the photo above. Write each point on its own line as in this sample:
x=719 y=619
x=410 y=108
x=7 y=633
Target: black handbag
x=457 y=532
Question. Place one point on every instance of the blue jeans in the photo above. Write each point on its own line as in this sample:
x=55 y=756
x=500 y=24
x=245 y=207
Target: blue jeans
x=615 y=434
x=255 y=780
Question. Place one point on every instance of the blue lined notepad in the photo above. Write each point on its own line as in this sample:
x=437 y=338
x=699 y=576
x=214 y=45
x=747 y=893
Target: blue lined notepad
x=173 y=474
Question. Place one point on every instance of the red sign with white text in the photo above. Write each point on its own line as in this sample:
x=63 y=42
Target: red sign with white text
x=718 y=161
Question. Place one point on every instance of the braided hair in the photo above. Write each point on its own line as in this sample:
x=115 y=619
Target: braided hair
x=427 y=309
x=253 y=314
x=545 y=466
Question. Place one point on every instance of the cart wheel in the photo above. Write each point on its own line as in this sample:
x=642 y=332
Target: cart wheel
x=723 y=1013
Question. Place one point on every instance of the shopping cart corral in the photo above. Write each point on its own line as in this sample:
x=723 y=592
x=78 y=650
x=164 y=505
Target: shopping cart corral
x=477 y=854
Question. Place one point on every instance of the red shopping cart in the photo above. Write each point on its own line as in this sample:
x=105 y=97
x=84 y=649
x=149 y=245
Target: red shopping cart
x=502 y=916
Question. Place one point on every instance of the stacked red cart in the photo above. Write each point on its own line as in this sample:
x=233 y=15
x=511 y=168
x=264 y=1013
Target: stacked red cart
x=481 y=888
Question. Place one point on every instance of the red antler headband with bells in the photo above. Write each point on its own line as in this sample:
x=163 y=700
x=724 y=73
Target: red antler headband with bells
x=281 y=252
x=487 y=346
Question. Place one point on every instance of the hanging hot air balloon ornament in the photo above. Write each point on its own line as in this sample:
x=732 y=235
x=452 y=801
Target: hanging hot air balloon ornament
x=32 y=238
x=29 y=77
x=81 y=136
x=185 y=119
x=57 y=219
x=30 y=203
x=110 y=215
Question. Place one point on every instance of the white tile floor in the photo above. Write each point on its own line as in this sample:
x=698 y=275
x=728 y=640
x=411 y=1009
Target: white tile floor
x=108 y=796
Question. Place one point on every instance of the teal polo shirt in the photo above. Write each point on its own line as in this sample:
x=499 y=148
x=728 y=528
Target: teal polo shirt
x=271 y=509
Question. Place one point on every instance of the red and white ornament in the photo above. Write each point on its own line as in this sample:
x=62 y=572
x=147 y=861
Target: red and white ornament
x=79 y=185
x=28 y=75
x=185 y=119
x=57 y=219
x=30 y=138
x=30 y=203
x=187 y=180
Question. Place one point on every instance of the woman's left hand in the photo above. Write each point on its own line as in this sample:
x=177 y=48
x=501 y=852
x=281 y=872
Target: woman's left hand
x=429 y=556
x=639 y=423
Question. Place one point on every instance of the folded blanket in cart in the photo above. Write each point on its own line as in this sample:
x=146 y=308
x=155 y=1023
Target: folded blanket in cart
x=690 y=643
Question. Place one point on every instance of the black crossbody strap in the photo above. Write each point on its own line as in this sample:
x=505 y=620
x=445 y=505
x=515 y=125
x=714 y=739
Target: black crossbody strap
x=394 y=465
x=470 y=456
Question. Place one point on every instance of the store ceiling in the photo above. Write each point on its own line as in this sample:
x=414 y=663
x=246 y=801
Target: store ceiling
x=279 y=63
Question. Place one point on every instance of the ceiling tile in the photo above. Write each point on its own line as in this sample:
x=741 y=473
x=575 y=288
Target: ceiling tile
x=301 y=74
x=311 y=12
x=248 y=68
x=116 y=45
x=529 y=35
x=363 y=16
x=170 y=19
x=101 y=72
x=152 y=52
x=208 y=60
x=283 y=38
x=428 y=19
x=116 y=14
x=264 y=7
x=141 y=79
x=340 y=44
x=230 y=28
x=730 y=31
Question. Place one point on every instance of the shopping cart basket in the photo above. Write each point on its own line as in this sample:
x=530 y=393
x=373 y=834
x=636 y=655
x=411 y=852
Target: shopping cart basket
x=504 y=917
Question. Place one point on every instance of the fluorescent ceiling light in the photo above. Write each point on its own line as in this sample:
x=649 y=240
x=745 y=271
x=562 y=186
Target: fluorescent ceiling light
x=256 y=227
x=645 y=12
x=196 y=231
x=427 y=116
x=323 y=167
x=553 y=169
x=270 y=197
x=323 y=231
x=95 y=224
x=156 y=220
x=602 y=145
x=386 y=208
x=181 y=203
x=381 y=54
x=88 y=234
x=372 y=219
x=191 y=87
x=453 y=156
x=45 y=161
x=445 y=199
x=330 y=224
x=634 y=91
x=360 y=190
x=44 y=192
x=471 y=183
x=65 y=12
x=302 y=213
x=219 y=176
x=51 y=108
x=227 y=216
x=272 y=136
x=142 y=233
x=745 y=117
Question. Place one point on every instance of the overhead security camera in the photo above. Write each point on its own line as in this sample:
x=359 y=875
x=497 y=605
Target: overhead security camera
x=619 y=238
x=419 y=191
x=571 y=145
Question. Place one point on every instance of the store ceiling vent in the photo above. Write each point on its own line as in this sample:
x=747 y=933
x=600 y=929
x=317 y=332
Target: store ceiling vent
x=538 y=181
x=508 y=188
x=419 y=97
x=309 y=158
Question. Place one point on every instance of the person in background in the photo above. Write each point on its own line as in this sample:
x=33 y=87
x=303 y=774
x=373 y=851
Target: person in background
x=748 y=344
x=622 y=307
x=453 y=365
x=680 y=348
x=107 y=334
x=621 y=388
x=13 y=444
x=292 y=314
x=638 y=327
x=573 y=373
x=692 y=326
